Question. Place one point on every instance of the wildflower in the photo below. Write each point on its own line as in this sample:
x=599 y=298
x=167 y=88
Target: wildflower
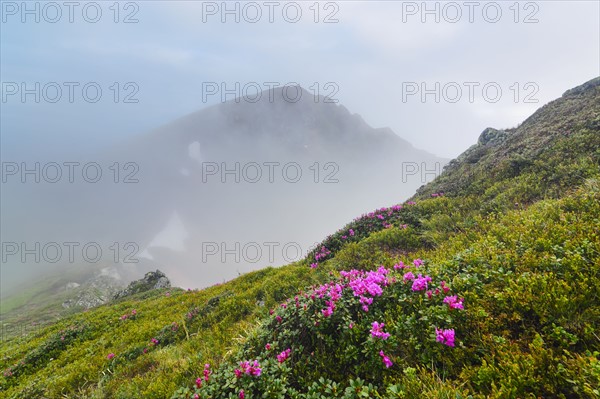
x=429 y=294
x=399 y=265
x=377 y=331
x=386 y=360
x=283 y=355
x=327 y=311
x=206 y=372
x=254 y=369
x=418 y=262
x=133 y=312
x=238 y=373
x=314 y=265
x=445 y=287
x=453 y=302
x=446 y=337
x=351 y=325
x=154 y=341
x=278 y=318
x=420 y=283
x=198 y=382
x=268 y=347
x=110 y=356
x=242 y=395
x=351 y=232
x=408 y=276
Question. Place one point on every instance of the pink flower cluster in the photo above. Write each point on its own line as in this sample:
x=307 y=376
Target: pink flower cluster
x=446 y=337
x=420 y=283
x=367 y=285
x=248 y=368
x=377 y=331
x=453 y=302
x=350 y=234
x=282 y=357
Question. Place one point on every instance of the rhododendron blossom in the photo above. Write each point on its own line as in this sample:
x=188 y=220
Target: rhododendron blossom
x=420 y=283
x=248 y=368
x=386 y=360
x=453 y=302
x=377 y=331
x=284 y=355
x=446 y=337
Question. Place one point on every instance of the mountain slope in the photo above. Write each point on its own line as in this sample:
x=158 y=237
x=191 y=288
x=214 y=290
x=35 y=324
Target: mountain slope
x=517 y=245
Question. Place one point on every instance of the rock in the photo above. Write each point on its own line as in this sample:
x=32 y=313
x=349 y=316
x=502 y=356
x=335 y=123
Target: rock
x=491 y=136
x=151 y=281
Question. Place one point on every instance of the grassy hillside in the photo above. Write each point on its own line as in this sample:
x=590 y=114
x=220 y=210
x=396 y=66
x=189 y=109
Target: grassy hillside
x=490 y=289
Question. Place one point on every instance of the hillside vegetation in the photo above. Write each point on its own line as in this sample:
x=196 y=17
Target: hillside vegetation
x=485 y=284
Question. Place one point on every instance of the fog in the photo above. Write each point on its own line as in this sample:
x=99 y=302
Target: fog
x=208 y=139
x=231 y=188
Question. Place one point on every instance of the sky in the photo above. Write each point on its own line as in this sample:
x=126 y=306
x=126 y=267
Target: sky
x=436 y=73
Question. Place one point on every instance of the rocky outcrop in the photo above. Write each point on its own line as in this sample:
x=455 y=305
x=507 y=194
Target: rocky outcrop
x=151 y=281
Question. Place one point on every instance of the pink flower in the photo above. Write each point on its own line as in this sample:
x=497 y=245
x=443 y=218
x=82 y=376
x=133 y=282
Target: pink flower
x=386 y=360
x=198 y=382
x=196 y=396
x=327 y=311
x=351 y=325
x=206 y=372
x=110 y=356
x=445 y=287
x=249 y=368
x=351 y=232
x=420 y=283
x=268 y=347
x=283 y=355
x=314 y=265
x=242 y=395
x=124 y=317
x=133 y=312
x=417 y=262
x=278 y=318
x=154 y=341
x=453 y=302
x=408 y=276
x=446 y=337
x=399 y=265
x=377 y=331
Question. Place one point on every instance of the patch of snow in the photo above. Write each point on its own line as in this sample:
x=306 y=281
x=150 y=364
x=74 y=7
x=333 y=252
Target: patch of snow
x=173 y=237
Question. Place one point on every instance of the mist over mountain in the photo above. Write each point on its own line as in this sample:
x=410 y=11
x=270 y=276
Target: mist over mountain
x=230 y=188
